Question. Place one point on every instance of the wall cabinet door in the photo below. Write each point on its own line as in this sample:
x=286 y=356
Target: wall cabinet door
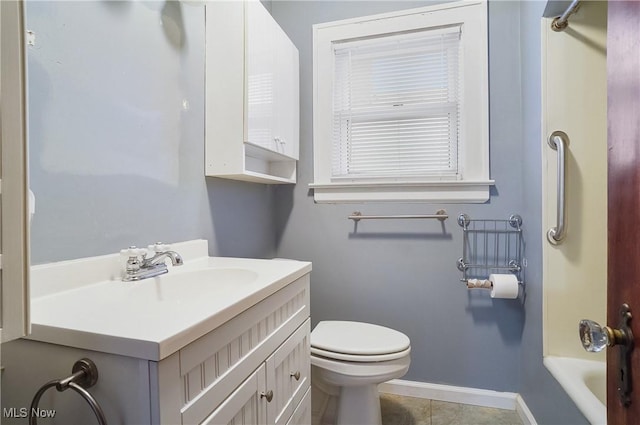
x=287 y=99
x=260 y=67
x=272 y=108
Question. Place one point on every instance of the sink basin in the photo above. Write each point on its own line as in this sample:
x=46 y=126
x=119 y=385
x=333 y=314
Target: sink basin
x=196 y=285
x=84 y=303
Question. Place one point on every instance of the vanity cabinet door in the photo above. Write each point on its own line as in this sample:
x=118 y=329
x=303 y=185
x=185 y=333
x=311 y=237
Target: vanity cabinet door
x=245 y=406
x=288 y=375
x=302 y=415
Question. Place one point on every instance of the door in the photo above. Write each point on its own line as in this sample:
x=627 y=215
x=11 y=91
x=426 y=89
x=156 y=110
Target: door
x=623 y=69
x=14 y=260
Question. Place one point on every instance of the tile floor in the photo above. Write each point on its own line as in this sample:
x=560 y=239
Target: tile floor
x=399 y=410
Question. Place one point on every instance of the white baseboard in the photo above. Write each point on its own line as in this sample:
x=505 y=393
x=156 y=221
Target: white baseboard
x=461 y=395
x=523 y=411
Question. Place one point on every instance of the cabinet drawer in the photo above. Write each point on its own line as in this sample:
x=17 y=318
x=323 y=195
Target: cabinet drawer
x=214 y=365
x=288 y=375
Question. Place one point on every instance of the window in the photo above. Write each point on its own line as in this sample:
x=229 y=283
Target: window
x=401 y=106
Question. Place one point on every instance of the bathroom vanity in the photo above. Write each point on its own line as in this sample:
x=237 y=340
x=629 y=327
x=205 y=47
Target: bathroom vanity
x=217 y=341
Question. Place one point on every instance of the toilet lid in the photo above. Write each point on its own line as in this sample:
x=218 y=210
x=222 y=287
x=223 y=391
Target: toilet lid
x=364 y=339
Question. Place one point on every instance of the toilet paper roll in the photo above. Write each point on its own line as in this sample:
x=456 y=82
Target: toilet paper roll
x=504 y=286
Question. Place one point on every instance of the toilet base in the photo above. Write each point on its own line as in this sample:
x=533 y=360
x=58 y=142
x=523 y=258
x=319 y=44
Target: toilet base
x=359 y=405
x=350 y=390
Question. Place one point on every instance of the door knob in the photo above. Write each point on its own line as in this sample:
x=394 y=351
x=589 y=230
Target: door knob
x=595 y=338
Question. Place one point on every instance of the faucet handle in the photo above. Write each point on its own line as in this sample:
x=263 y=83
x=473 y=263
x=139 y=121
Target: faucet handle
x=132 y=252
x=159 y=247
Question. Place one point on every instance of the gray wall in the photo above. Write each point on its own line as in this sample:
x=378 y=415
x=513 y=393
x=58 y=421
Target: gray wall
x=403 y=274
x=116 y=132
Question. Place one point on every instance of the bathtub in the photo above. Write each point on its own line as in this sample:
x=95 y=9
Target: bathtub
x=586 y=383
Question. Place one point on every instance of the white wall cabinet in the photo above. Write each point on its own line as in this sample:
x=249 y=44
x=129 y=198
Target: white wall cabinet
x=252 y=95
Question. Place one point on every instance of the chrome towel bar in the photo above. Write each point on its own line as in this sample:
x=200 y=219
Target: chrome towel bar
x=559 y=141
x=439 y=215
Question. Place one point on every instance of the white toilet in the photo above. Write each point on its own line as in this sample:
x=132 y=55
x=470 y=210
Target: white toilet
x=348 y=361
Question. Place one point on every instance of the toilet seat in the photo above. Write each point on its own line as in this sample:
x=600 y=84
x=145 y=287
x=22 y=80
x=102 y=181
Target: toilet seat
x=359 y=357
x=358 y=342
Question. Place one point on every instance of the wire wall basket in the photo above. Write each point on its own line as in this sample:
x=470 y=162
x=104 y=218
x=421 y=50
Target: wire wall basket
x=490 y=246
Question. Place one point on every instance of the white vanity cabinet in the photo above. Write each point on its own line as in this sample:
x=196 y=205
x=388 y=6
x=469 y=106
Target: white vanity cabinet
x=243 y=357
x=255 y=369
x=252 y=95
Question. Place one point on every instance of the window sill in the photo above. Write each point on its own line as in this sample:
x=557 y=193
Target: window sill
x=437 y=192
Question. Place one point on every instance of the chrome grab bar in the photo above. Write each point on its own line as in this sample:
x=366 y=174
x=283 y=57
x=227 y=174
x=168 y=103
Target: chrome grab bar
x=558 y=140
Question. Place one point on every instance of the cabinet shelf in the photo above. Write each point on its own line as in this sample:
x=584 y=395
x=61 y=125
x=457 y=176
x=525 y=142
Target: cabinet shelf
x=265 y=166
x=260 y=152
x=258 y=177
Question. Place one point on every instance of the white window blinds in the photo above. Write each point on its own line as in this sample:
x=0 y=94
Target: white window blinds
x=396 y=106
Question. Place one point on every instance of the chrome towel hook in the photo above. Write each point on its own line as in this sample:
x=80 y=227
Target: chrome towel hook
x=84 y=375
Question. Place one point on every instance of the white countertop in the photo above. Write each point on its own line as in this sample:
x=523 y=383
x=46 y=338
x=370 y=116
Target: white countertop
x=155 y=317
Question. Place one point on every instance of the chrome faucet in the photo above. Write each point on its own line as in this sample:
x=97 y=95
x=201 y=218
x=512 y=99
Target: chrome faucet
x=140 y=267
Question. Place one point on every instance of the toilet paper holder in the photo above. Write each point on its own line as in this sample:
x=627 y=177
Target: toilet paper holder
x=490 y=246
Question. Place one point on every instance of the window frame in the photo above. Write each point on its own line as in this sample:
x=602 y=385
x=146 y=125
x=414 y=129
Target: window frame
x=474 y=184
